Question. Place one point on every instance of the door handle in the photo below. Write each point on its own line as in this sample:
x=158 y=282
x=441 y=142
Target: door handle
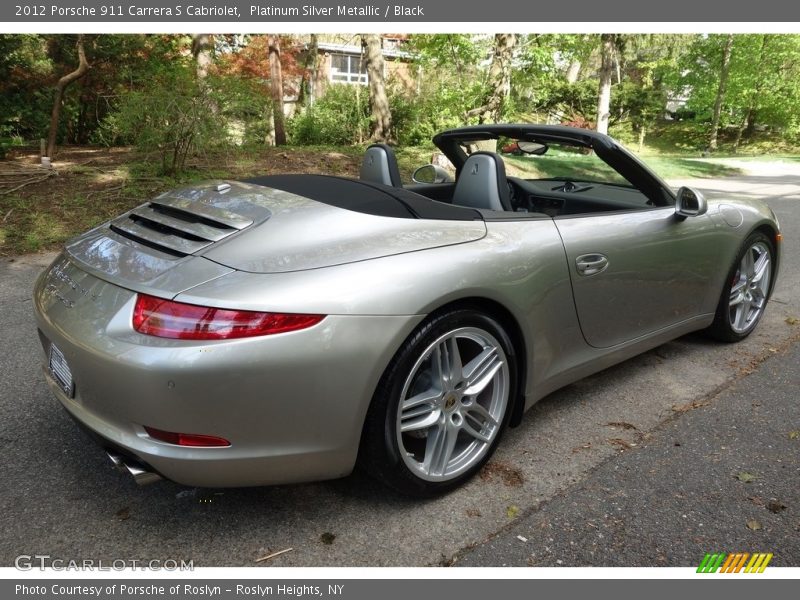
x=591 y=264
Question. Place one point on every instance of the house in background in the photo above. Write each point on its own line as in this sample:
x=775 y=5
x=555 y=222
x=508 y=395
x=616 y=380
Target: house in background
x=340 y=60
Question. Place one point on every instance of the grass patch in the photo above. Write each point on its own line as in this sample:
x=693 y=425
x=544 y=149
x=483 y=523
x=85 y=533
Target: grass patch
x=690 y=139
x=674 y=167
x=590 y=168
x=410 y=159
x=95 y=185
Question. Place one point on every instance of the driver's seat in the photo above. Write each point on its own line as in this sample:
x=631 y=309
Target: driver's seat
x=482 y=183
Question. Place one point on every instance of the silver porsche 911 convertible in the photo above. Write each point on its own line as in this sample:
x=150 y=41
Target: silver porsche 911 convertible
x=288 y=328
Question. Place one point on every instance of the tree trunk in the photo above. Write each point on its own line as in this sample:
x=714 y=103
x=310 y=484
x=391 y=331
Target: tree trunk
x=381 y=120
x=276 y=86
x=606 y=71
x=723 y=83
x=83 y=68
x=749 y=122
x=499 y=80
x=202 y=43
x=308 y=85
x=573 y=71
x=741 y=128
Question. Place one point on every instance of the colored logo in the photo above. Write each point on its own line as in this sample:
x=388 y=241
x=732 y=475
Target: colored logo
x=734 y=563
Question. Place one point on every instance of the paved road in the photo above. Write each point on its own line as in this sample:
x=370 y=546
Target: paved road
x=724 y=477
x=59 y=495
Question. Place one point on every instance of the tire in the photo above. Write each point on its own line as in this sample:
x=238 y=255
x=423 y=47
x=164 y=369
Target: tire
x=746 y=291
x=442 y=404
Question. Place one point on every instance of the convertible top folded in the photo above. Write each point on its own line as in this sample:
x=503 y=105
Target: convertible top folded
x=367 y=198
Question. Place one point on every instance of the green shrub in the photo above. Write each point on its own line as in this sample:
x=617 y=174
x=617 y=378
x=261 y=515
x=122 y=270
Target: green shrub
x=171 y=115
x=339 y=118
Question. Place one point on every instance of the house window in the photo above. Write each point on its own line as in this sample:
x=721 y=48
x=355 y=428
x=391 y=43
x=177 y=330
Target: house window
x=348 y=68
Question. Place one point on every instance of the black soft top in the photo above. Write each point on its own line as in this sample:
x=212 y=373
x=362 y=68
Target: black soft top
x=366 y=197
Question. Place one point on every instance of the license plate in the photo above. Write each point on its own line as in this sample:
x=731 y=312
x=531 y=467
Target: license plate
x=59 y=369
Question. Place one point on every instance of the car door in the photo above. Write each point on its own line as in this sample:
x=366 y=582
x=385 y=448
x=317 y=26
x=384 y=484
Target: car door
x=636 y=272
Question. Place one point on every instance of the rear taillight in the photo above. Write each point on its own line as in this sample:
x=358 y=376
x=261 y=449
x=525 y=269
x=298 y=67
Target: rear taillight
x=195 y=440
x=177 y=320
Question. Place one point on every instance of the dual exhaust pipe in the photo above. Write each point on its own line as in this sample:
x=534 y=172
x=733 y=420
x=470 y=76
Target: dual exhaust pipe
x=139 y=472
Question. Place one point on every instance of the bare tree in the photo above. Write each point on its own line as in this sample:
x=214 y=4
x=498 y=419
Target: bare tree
x=276 y=86
x=202 y=44
x=499 y=80
x=381 y=119
x=83 y=68
x=723 y=83
x=573 y=71
x=606 y=71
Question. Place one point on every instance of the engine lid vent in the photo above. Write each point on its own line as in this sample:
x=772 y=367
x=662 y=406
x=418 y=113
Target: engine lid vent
x=178 y=226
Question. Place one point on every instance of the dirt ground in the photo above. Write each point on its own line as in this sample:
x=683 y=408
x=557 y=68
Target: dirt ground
x=40 y=209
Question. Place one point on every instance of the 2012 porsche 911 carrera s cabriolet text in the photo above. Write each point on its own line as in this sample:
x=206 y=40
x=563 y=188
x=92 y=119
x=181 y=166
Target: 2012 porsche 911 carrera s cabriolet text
x=289 y=327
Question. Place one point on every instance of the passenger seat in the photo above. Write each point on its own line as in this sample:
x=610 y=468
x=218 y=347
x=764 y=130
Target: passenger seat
x=380 y=166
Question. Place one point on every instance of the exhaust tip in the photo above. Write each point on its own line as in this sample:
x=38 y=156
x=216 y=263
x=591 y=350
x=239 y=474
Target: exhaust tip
x=117 y=461
x=139 y=473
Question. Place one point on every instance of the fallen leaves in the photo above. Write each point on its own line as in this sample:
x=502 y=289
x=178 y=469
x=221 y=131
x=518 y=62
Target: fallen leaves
x=327 y=538
x=621 y=425
x=775 y=506
x=745 y=477
x=473 y=512
x=507 y=474
x=620 y=442
x=793 y=435
x=512 y=511
x=123 y=514
x=753 y=525
x=690 y=406
x=792 y=320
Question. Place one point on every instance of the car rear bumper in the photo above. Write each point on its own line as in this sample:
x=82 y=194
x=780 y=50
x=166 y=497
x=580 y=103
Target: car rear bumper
x=292 y=405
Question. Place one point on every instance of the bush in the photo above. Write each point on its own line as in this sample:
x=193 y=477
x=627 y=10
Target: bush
x=339 y=118
x=173 y=114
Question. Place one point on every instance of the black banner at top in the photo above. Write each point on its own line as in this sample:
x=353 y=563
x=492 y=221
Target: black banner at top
x=407 y=11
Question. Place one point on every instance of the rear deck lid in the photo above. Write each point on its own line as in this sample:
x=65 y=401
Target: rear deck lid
x=188 y=236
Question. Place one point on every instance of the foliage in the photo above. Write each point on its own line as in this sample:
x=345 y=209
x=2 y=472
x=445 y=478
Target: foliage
x=763 y=84
x=453 y=78
x=171 y=115
x=554 y=78
x=24 y=107
x=340 y=117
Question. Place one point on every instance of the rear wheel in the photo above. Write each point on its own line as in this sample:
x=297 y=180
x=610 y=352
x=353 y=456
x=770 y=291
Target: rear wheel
x=746 y=291
x=442 y=404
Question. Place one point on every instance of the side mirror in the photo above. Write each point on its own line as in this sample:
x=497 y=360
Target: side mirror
x=431 y=174
x=690 y=203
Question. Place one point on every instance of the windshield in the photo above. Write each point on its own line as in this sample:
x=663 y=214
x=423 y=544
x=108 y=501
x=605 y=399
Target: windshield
x=560 y=162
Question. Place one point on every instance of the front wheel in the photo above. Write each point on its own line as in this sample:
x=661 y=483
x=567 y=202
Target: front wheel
x=746 y=291
x=442 y=404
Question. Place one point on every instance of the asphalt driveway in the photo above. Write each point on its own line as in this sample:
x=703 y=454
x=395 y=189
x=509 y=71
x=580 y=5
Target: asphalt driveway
x=61 y=497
